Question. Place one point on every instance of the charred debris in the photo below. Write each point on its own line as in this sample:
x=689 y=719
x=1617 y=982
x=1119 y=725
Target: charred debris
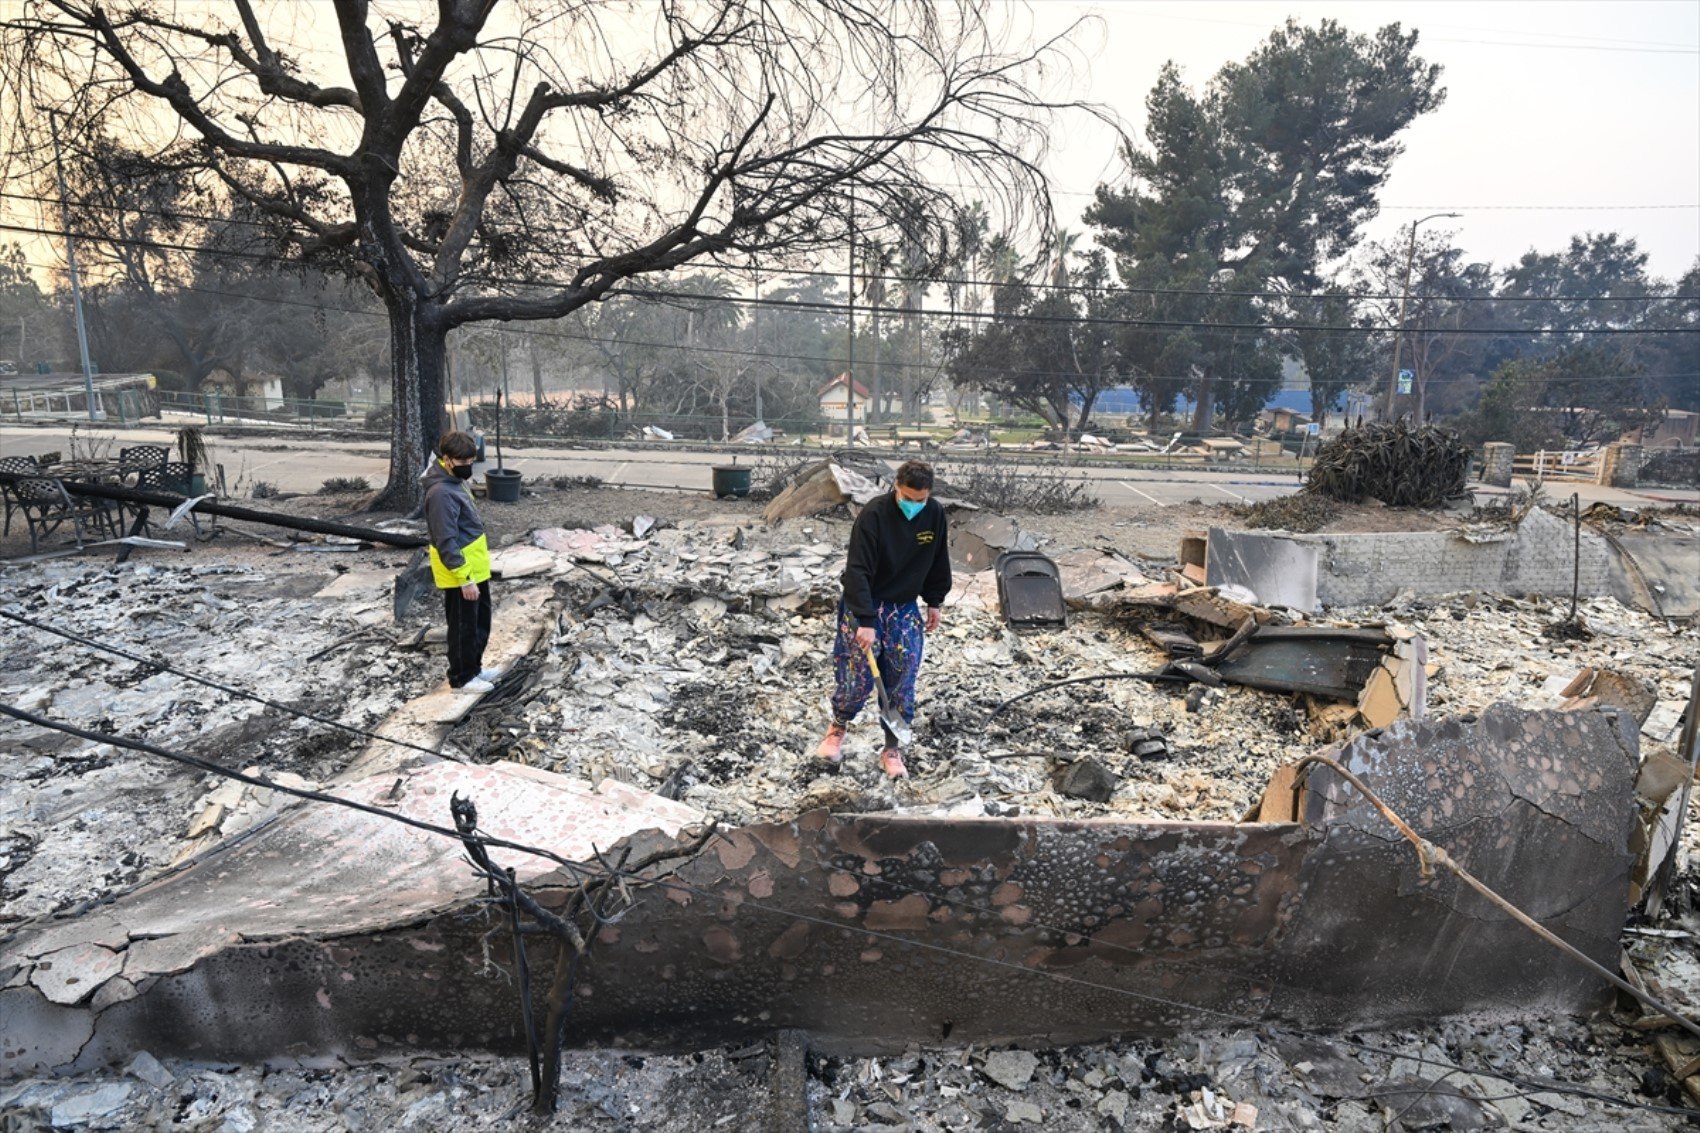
x=1114 y=836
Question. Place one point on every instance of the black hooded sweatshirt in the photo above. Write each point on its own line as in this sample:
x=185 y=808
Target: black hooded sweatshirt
x=893 y=559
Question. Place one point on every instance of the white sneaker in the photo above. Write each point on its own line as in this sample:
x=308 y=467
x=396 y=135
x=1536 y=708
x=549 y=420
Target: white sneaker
x=478 y=685
x=491 y=675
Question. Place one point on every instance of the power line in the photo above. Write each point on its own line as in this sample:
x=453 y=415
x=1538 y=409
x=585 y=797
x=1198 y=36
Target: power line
x=894 y=277
x=1174 y=324
x=1545 y=208
x=982 y=316
x=838 y=360
x=579 y=870
x=928 y=367
x=1588 y=43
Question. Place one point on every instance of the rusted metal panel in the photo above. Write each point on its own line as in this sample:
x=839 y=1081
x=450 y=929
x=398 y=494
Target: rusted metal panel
x=872 y=932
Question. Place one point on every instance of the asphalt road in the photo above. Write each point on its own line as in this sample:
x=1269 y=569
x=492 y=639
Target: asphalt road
x=303 y=464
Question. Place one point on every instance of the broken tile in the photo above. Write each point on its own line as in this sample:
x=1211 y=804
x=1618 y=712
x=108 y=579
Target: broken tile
x=1012 y=1069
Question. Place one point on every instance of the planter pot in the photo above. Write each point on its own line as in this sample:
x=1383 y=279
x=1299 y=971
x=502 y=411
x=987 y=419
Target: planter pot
x=502 y=485
x=198 y=484
x=730 y=480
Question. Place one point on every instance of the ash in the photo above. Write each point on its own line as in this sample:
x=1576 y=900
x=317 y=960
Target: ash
x=695 y=661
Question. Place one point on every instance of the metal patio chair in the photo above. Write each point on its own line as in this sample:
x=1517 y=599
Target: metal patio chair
x=143 y=456
x=47 y=506
x=17 y=466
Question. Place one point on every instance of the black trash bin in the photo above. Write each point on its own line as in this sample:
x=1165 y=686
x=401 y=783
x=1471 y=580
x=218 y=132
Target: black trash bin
x=1030 y=590
x=730 y=480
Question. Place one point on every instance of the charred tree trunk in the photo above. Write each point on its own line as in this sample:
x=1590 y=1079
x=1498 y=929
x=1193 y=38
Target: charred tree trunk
x=537 y=372
x=1205 y=411
x=876 y=376
x=1086 y=404
x=418 y=348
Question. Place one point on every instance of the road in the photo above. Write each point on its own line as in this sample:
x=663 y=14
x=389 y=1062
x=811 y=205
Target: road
x=303 y=464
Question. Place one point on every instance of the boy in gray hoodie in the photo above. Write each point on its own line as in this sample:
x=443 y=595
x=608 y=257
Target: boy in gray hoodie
x=460 y=561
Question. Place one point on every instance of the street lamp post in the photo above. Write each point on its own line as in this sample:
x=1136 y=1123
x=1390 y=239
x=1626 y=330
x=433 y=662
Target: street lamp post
x=1404 y=299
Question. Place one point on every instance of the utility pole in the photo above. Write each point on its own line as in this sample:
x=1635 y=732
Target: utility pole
x=850 y=351
x=71 y=259
x=1404 y=298
x=757 y=321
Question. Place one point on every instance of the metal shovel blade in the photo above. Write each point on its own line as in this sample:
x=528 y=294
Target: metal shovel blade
x=897 y=730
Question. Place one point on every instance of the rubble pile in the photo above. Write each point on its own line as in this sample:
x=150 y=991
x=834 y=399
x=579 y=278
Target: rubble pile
x=691 y=658
x=1233 y=1081
x=697 y=659
x=82 y=819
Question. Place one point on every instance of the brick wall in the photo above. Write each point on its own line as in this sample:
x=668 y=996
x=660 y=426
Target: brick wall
x=1366 y=570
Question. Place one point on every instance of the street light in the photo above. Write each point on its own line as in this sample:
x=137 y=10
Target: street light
x=1405 y=298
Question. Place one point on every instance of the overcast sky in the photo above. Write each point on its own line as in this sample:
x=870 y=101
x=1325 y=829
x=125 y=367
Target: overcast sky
x=1558 y=105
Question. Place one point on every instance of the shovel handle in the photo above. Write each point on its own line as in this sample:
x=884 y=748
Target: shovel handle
x=873 y=665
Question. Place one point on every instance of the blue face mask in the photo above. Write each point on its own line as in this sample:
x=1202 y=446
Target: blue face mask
x=910 y=508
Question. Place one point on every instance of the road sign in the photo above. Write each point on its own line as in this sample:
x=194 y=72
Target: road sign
x=1313 y=429
x=1405 y=380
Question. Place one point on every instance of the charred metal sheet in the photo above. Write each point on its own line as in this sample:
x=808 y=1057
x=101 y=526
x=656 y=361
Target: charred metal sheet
x=1280 y=571
x=1335 y=663
x=872 y=932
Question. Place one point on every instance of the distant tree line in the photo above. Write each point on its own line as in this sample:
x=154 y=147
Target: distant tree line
x=1231 y=249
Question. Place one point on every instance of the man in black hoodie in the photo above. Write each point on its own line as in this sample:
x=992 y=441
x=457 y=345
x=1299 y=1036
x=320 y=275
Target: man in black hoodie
x=899 y=549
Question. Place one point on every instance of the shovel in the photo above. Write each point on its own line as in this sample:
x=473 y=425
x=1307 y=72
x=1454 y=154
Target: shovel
x=897 y=732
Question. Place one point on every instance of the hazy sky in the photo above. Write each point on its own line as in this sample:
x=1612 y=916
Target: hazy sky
x=1560 y=117
x=1558 y=105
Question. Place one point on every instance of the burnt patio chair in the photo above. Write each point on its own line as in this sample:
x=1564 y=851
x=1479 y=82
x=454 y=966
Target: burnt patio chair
x=143 y=456
x=16 y=466
x=170 y=476
x=47 y=506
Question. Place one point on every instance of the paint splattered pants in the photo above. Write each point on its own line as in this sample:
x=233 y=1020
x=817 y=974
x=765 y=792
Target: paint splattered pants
x=899 y=634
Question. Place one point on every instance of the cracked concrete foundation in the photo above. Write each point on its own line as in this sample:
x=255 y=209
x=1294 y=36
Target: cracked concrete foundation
x=330 y=933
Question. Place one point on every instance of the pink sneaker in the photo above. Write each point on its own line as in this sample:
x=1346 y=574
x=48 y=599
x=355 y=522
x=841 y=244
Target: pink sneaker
x=891 y=762
x=831 y=749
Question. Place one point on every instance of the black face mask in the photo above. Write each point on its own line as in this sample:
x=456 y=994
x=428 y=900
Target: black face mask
x=464 y=471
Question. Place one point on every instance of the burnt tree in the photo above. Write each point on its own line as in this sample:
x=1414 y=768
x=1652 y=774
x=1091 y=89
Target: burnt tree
x=495 y=161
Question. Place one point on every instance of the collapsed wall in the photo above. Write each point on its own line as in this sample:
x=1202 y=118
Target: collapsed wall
x=333 y=933
x=1538 y=556
x=1542 y=554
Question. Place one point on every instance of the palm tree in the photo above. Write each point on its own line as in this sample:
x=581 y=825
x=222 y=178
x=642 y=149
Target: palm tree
x=877 y=261
x=1062 y=247
x=916 y=268
x=960 y=263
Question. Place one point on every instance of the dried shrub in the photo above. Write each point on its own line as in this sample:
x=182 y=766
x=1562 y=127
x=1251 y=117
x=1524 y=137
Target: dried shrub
x=1676 y=468
x=565 y=483
x=1301 y=512
x=343 y=485
x=1000 y=486
x=1396 y=464
x=582 y=415
x=263 y=490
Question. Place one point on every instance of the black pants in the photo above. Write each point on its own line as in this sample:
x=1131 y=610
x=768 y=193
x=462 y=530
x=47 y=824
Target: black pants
x=469 y=633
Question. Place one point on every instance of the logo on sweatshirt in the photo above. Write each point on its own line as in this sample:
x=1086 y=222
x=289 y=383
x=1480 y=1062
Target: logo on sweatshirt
x=923 y=537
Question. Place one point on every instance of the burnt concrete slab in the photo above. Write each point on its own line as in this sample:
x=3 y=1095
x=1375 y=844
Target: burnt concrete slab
x=329 y=933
